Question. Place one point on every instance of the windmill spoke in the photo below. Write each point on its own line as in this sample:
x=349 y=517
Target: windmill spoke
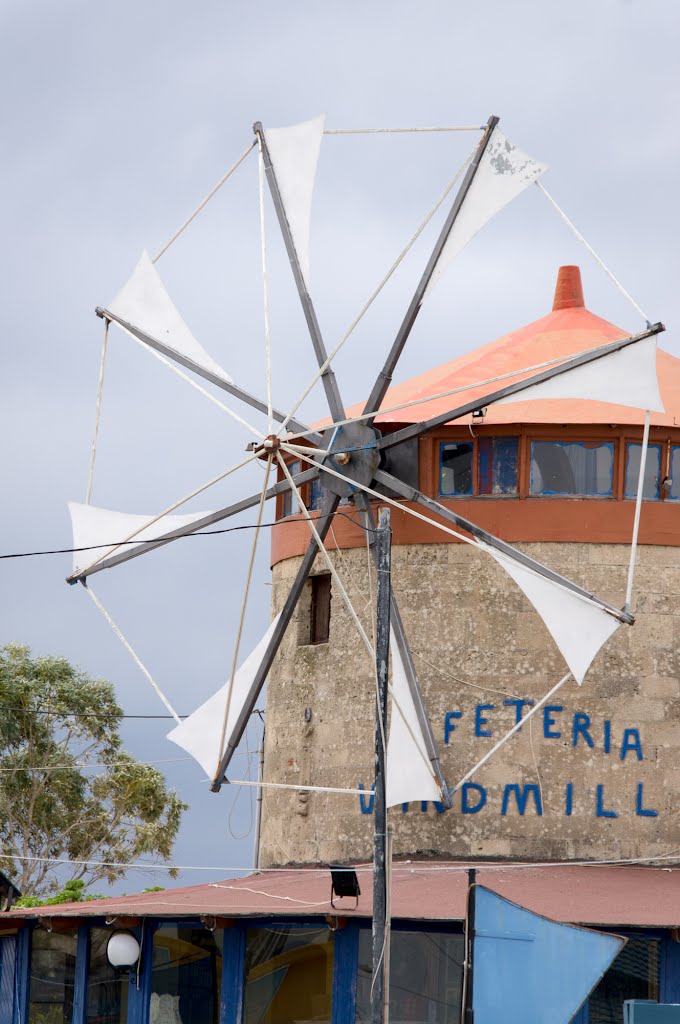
x=191 y=528
x=363 y=504
x=384 y=378
x=323 y=524
x=330 y=384
x=415 y=429
x=200 y=371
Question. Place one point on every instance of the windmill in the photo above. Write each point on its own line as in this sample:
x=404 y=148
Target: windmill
x=352 y=461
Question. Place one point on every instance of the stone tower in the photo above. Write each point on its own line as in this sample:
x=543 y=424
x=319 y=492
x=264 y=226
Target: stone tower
x=597 y=775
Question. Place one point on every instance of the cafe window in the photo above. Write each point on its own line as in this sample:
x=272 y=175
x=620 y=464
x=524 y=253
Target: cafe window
x=107 y=990
x=426 y=977
x=290 y=502
x=455 y=467
x=635 y=974
x=497 y=460
x=52 y=977
x=650 y=487
x=578 y=468
x=289 y=975
x=674 y=473
x=186 y=975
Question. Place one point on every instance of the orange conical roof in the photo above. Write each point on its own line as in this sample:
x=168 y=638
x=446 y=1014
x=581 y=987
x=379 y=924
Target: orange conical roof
x=568 y=329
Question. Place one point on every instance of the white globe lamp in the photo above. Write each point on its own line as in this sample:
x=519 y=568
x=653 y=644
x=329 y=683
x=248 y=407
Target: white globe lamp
x=122 y=950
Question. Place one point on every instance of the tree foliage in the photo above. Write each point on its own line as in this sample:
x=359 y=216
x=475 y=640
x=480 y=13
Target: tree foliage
x=50 y=805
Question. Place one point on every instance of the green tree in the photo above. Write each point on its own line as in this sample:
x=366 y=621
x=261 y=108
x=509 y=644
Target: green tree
x=49 y=806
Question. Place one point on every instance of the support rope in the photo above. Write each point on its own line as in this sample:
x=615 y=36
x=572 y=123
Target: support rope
x=638 y=506
x=403 y=131
x=572 y=227
x=204 y=202
x=265 y=290
x=134 y=656
x=297 y=788
x=100 y=390
x=244 y=604
x=369 y=302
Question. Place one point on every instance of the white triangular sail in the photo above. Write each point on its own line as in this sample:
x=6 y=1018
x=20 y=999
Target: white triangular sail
x=578 y=626
x=294 y=153
x=408 y=772
x=626 y=377
x=144 y=303
x=504 y=172
x=94 y=526
x=201 y=732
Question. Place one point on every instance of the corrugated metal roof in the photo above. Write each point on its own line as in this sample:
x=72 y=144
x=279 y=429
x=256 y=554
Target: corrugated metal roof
x=567 y=330
x=593 y=895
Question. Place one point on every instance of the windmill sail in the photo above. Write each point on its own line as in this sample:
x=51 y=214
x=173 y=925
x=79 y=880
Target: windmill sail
x=144 y=304
x=579 y=627
x=201 y=733
x=503 y=173
x=408 y=773
x=94 y=526
x=294 y=154
x=626 y=377
x=529 y=969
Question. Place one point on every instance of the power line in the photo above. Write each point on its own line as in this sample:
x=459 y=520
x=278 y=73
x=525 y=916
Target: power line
x=96 y=714
x=154 y=540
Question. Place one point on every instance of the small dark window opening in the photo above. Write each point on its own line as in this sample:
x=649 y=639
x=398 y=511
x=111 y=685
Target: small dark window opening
x=320 y=609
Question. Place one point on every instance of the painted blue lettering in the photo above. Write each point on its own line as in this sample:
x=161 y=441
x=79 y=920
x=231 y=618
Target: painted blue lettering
x=522 y=794
x=518 y=705
x=601 y=811
x=580 y=728
x=404 y=808
x=569 y=799
x=607 y=735
x=466 y=806
x=631 y=741
x=548 y=721
x=480 y=720
x=643 y=812
x=449 y=726
x=366 y=805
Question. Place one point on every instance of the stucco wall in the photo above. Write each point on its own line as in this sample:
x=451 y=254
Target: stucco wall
x=476 y=640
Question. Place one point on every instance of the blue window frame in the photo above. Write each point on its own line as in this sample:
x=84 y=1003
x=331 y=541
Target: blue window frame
x=497 y=461
x=674 y=472
x=575 y=468
x=290 y=504
x=455 y=467
x=650 y=488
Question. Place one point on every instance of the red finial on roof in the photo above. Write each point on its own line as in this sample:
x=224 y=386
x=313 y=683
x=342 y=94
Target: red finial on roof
x=568 y=290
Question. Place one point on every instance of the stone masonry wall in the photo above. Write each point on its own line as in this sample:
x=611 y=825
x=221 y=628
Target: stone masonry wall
x=477 y=641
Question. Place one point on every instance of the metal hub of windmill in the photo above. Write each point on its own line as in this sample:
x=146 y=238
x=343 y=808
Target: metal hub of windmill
x=352 y=459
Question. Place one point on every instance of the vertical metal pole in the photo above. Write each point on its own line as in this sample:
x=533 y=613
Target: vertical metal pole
x=258 y=805
x=382 y=654
x=468 y=1011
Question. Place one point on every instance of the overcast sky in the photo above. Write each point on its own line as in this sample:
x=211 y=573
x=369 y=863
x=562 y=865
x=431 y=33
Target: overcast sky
x=118 y=118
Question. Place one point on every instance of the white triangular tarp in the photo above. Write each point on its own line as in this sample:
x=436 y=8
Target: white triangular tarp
x=94 y=526
x=626 y=377
x=294 y=153
x=201 y=732
x=503 y=173
x=408 y=772
x=144 y=303
x=578 y=627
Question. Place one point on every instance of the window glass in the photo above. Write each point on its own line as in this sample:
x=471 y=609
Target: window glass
x=289 y=975
x=650 y=488
x=290 y=503
x=52 y=976
x=634 y=975
x=497 y=465
x=455 y=467
x=317 y=493
x=572 y=467
x=426 y=977
x=186 y=976
x=675 y=473
x=107 y=990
